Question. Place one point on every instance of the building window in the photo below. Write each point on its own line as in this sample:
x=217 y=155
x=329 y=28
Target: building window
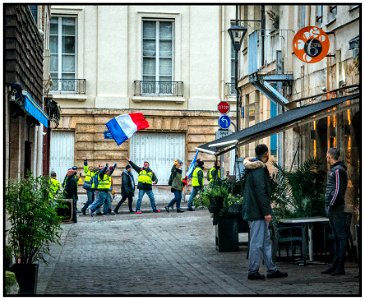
x=332 y=13
x=157 y=57
x=319 y=15
x=63 y=53
x=301 y=16
x=352 y=7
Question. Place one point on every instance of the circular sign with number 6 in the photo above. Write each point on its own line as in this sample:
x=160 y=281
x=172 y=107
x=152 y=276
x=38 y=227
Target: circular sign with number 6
x=311 y=44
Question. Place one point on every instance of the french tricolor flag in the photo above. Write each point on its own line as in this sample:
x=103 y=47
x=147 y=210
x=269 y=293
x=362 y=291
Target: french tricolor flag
x=124 y=126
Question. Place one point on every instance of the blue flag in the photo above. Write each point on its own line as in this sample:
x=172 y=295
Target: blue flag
x=192 y=165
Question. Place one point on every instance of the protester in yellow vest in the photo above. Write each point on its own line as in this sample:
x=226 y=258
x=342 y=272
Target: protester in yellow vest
x=214 y=174
x=107 y=209
x=146 y=177
x=197 y=182
x=104 y=184
x=89 y=174
x=55 y=185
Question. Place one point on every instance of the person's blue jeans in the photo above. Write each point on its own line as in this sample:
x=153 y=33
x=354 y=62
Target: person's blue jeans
x=177 y=199
x=195 y=191
x=107 y=204
x=90 y=199
x=260 y=246
x=101 y=199
x=150 y=195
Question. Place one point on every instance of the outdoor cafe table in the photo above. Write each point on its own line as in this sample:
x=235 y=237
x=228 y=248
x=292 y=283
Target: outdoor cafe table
x=308 y=223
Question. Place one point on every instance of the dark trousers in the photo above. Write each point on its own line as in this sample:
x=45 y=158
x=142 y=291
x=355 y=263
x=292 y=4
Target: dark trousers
x=130 y=200
x=338 y=224
x=74 y=212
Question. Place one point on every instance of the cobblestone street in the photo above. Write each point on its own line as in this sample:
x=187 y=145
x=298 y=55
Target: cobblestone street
x=168 y=254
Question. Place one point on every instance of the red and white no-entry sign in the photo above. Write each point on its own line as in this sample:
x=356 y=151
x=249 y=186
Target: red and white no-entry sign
x=223 y=107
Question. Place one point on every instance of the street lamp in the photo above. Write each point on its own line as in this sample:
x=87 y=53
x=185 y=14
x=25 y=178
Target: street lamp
x=237 y=33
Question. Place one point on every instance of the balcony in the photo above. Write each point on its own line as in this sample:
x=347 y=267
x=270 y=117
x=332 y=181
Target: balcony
x=159 y=88
x=230 y=90
x=68 y=86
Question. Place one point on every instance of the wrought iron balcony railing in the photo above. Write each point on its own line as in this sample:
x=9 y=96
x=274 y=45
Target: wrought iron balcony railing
x=76 y=86
x=158 y=88
x=230 y=89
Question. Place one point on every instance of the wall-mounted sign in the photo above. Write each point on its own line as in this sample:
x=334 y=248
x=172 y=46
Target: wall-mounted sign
x=108 y=135
x=311 y=44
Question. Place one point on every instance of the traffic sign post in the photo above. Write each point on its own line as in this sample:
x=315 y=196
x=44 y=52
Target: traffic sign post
x=224 y=122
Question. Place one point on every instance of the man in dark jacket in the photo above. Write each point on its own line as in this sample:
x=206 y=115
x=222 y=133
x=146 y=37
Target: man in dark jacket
x=257 y=195
x=70 y=190
x=128 y=188
x=335 y=207
x=146 y=177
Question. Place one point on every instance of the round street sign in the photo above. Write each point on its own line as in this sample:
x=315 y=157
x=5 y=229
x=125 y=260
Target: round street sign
x=224 y=122
x=311 y=44
x=223 y=107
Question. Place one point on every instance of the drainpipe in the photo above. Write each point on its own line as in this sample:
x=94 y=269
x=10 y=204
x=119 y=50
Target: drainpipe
x=263 y=34
x=328 y=83
x=222 y=11
x=40 y=150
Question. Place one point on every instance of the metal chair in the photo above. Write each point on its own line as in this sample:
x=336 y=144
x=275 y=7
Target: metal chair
x=288 y=237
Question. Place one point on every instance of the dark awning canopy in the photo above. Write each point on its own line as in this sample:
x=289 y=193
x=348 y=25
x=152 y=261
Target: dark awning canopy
x=284 y=121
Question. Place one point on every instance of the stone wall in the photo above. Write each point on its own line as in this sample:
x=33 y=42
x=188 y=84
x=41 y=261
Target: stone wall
x=89 y=127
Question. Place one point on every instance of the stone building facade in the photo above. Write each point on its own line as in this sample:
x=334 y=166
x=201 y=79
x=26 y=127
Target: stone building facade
x=336 y=75
x=171 y=63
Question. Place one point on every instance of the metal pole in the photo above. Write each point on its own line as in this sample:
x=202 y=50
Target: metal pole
x=237 y=92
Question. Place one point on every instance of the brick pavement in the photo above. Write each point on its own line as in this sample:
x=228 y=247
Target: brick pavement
x=168 y=254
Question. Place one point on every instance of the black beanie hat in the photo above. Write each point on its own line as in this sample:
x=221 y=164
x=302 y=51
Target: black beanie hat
x=261 y=149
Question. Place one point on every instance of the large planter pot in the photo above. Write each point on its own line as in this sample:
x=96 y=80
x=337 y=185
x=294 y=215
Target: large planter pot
x=226 y=234
x=26 y=276
x=216 y=204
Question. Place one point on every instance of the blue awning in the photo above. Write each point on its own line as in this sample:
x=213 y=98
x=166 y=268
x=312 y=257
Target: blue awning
x=34 y=110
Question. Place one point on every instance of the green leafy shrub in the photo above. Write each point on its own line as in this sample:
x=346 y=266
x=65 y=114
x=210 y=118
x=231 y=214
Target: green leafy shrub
x=220 y=199
x=299 y=193
x=33 y=218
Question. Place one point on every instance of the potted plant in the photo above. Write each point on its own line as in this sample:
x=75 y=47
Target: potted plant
x=299 y=193
x=34 y=225
x=225 y=206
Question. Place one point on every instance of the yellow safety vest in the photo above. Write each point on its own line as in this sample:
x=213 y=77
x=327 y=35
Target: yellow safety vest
x=210 y=175
x=88 y=174
x=104 y=184
x=195 y=181
x=145 y=177
x=54 y=187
